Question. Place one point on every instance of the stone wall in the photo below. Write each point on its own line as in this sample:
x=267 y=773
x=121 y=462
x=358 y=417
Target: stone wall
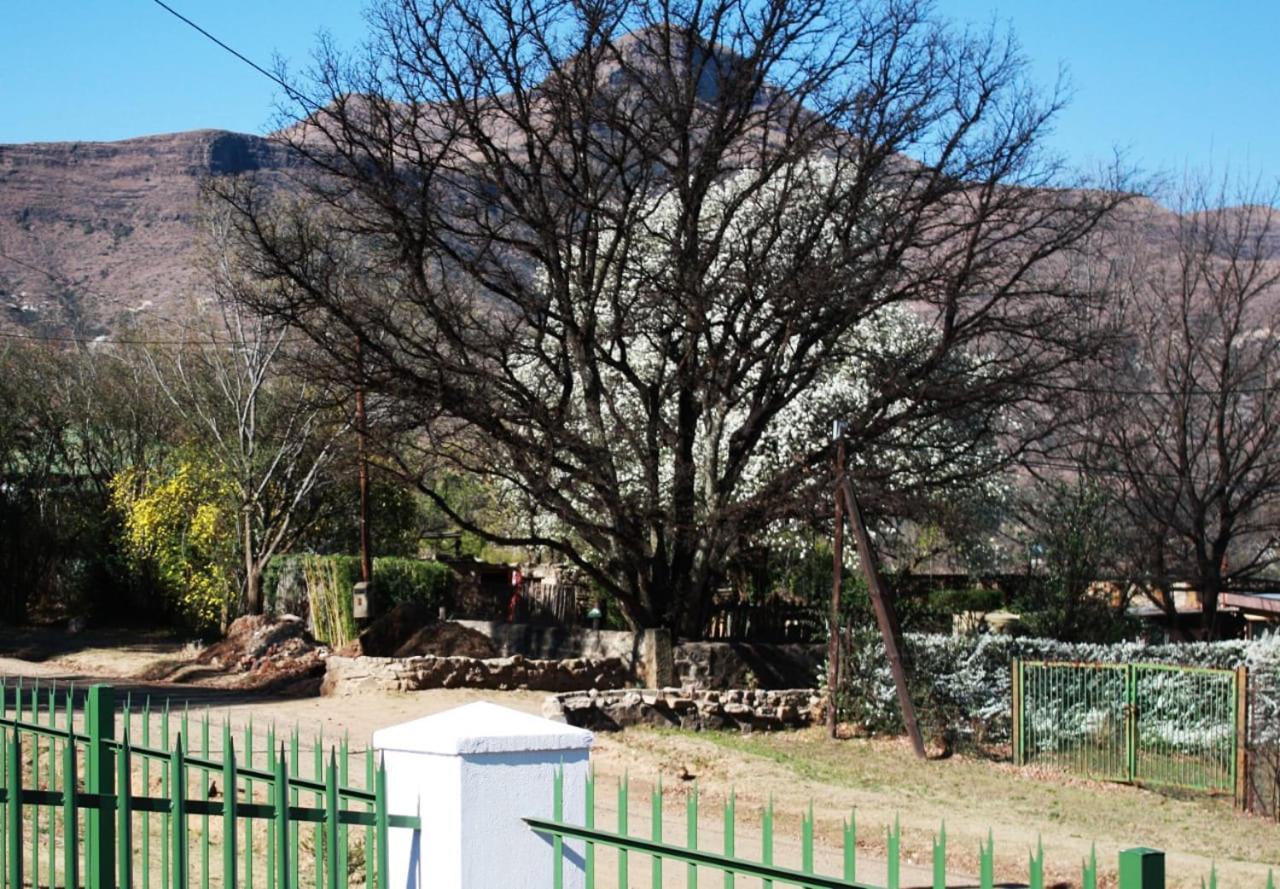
x=353 y=675
x=747 y=665
x=698 y=710
x=699 y=664
x=552 y=642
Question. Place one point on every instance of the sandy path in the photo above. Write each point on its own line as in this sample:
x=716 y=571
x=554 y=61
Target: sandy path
x=1014 y=812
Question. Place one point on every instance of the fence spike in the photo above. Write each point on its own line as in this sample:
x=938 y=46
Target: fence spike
x=229 y=801
x=124 y=811
x=730 y=840
x=178 y=795
x=691 y=833
x=13 y=804
x=623 y=858
x=331 y=821
x=940 y=858
x=380 y=824
x=589 y=819
x=280 y=804
x=70 y=848
x=894 y=855
x=987 y=854
x=1089 y=879
x=1035 y=866
x=851 y=847
x=655 y=830
x=145 y=762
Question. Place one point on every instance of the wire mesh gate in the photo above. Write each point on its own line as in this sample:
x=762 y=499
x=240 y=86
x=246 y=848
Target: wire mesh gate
x=1154 y=724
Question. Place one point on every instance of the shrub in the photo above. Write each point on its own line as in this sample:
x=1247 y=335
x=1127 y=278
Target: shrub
x=321 y=586
x=178 y=526
x=963 y=684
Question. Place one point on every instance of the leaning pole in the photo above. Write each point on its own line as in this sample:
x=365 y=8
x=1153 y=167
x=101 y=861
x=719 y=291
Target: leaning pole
x=882 y=602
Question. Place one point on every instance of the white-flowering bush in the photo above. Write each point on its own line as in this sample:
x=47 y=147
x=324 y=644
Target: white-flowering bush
x=963 y=684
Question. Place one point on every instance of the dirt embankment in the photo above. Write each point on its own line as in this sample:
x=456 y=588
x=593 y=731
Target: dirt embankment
x=410 y=630
x=259 y=653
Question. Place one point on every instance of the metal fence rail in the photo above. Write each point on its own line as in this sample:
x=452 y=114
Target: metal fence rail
x=161 y=800
x=1138 y=868
x=1154 y=724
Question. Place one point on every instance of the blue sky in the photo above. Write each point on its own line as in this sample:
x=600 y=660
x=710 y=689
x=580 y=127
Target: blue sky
x=1177 y=83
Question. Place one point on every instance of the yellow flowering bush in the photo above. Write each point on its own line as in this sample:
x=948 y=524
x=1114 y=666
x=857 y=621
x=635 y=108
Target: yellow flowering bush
x=180 y=526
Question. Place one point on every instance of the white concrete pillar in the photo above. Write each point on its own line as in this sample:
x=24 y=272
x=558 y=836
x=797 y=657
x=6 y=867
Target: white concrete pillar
x=475 y=773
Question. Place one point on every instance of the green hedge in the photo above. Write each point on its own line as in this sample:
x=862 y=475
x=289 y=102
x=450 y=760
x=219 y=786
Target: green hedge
x=321 y=586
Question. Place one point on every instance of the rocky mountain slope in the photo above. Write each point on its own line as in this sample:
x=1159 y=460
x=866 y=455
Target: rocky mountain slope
x=97 y=235
x=93 y=233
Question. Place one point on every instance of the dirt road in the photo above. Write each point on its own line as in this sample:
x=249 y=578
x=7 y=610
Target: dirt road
x=878 y=778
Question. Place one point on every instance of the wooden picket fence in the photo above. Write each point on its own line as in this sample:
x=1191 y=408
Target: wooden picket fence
x=160 y=799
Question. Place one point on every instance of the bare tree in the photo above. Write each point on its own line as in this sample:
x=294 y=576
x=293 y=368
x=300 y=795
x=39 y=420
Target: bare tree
x=1192 y=428
x=607 y=245
x=272 y=435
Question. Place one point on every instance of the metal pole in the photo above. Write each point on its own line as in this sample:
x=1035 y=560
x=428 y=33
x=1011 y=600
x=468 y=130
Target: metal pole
x=837 y=569
x=886 y=615
x=362 y=457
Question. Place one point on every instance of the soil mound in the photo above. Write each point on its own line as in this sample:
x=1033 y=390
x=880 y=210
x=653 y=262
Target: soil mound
x=261 y=652
x=410 y=630
x=447 y=640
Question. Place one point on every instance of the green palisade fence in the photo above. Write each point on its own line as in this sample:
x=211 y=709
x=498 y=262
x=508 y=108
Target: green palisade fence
x=1153 y=724
x=709 y=867
x=151 y=799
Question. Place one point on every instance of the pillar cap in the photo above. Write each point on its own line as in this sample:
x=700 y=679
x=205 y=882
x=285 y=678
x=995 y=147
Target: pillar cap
x=481 y=728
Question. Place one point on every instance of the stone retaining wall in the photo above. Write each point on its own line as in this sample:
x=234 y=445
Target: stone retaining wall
x=352 y=675
x=551 y=642
x=745 y=710
x=747 y=665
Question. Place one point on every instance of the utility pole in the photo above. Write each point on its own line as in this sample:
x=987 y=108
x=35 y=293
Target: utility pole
x=837 y=570
x=362 y=458
x=886 y=614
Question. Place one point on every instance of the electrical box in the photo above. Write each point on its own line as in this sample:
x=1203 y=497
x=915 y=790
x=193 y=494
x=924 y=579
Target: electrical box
x=360 y=600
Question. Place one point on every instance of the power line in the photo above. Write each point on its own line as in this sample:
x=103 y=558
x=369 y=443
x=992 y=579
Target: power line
x=295 y=93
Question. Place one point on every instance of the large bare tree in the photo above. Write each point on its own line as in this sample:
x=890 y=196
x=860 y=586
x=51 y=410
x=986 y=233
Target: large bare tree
x=1190 y=428
x=593 y=251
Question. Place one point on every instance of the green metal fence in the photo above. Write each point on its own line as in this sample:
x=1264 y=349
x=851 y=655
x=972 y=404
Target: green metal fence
x=727 y=866
x=1150 y=724
x=154 y=799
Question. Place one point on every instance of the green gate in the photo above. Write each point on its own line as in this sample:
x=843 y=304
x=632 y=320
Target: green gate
x=1154 y=724
x=146 y=798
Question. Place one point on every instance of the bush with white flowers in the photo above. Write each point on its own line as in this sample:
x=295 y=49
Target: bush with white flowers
x=963 y=684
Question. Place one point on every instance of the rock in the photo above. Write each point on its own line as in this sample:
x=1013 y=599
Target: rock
x=610 y=710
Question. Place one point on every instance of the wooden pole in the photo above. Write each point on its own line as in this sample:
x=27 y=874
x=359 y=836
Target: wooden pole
x=837 y=570
x=886 y=614
x=362 y=457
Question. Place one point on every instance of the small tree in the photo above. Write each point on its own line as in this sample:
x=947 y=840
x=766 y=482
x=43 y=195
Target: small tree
x=271 y=434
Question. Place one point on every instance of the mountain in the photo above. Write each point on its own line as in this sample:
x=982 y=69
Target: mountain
x=95 y=234
x=92 y=233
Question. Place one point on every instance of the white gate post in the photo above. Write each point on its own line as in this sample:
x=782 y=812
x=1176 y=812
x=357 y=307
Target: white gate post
x=474 y=774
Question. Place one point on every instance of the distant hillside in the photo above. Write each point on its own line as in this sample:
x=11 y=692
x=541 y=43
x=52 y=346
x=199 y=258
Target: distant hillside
x=92 y=232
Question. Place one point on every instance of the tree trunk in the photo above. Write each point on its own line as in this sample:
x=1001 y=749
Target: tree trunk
x=252 y=571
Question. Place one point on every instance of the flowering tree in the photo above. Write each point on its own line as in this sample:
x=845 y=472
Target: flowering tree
x=597 y=253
